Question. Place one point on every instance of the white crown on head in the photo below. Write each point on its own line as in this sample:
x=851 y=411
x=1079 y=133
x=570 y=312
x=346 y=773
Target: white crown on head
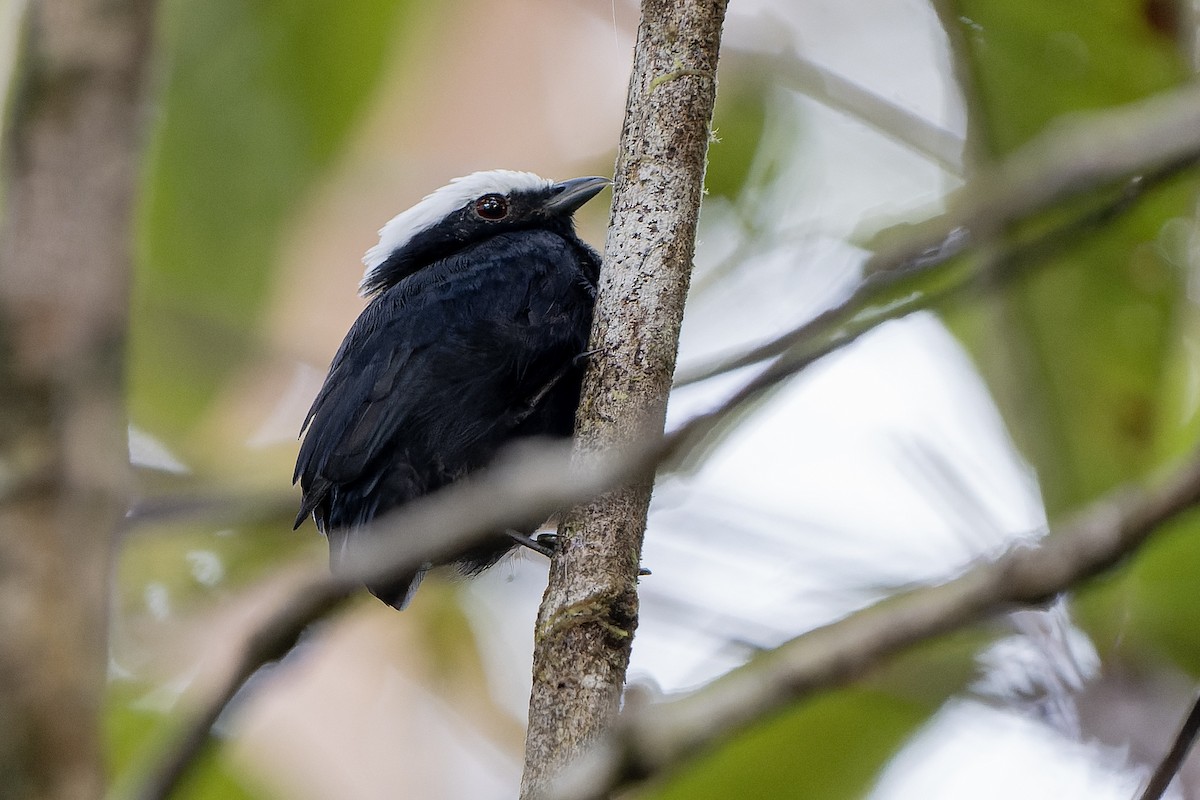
x=439 y=204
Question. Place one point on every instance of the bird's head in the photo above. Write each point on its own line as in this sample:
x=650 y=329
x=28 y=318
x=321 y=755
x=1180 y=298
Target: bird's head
x=467 y=210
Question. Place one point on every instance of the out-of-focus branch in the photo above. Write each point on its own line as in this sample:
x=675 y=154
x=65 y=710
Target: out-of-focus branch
x=319 y=597
x=650 y=740
x=1157 y=136
x=538 y=479
x=70 y=167
x=887 y=296
x=212 y=507
x=838 y=92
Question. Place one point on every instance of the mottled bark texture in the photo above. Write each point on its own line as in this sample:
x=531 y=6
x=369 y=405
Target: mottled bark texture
x=589 y=613
x=69 y=168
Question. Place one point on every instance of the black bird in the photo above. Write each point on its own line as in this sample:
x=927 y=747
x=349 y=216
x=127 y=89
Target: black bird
x=480 y=308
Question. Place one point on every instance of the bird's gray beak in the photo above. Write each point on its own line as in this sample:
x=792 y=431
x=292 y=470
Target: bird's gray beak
x=566 y=197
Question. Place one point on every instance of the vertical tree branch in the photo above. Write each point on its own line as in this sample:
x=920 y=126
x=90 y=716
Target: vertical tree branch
x=586 y=623
x=69 y=160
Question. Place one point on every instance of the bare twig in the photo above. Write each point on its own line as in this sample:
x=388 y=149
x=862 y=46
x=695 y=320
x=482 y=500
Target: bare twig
x=1172 y=762
x=1156 y=136
x=319 y=598
x=211 y=506
x=651 y=740
x=836 y=91
x=865 y=310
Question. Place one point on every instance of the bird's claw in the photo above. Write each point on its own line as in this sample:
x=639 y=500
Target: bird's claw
x=546 y=543
x=586 y=356
x=538 y=545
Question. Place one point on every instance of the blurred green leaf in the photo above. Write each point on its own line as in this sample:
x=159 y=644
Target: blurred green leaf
x=738 y=123
x=832 y=747
x=257 y=97
x=1148 y=611
x=162 y=578
x=135 y=732
x=1033 y=61
x=193 y=565
x=1163 y=604
x=1077 y=354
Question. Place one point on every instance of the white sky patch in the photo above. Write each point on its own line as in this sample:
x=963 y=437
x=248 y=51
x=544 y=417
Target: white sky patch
x=806 y=514
x=820 y=502
x=972 y=750
x=158 y=600
x=149 y=453
x=437 y=205
x=206 y=566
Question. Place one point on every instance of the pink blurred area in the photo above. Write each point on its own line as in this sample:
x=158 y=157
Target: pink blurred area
x=517 y=85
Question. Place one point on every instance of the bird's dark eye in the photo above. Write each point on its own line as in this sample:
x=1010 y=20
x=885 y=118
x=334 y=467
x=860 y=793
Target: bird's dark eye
x=492 y=206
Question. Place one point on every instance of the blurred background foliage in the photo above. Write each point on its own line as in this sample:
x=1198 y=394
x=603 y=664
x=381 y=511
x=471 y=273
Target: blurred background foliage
x=285 y=133
x=257 y=99
x=1093 y=358
x=1094 y=332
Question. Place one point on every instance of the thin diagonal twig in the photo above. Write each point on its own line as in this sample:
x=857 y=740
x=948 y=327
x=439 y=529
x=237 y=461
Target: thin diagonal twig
x=1172 y=762
x=1159 y=136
